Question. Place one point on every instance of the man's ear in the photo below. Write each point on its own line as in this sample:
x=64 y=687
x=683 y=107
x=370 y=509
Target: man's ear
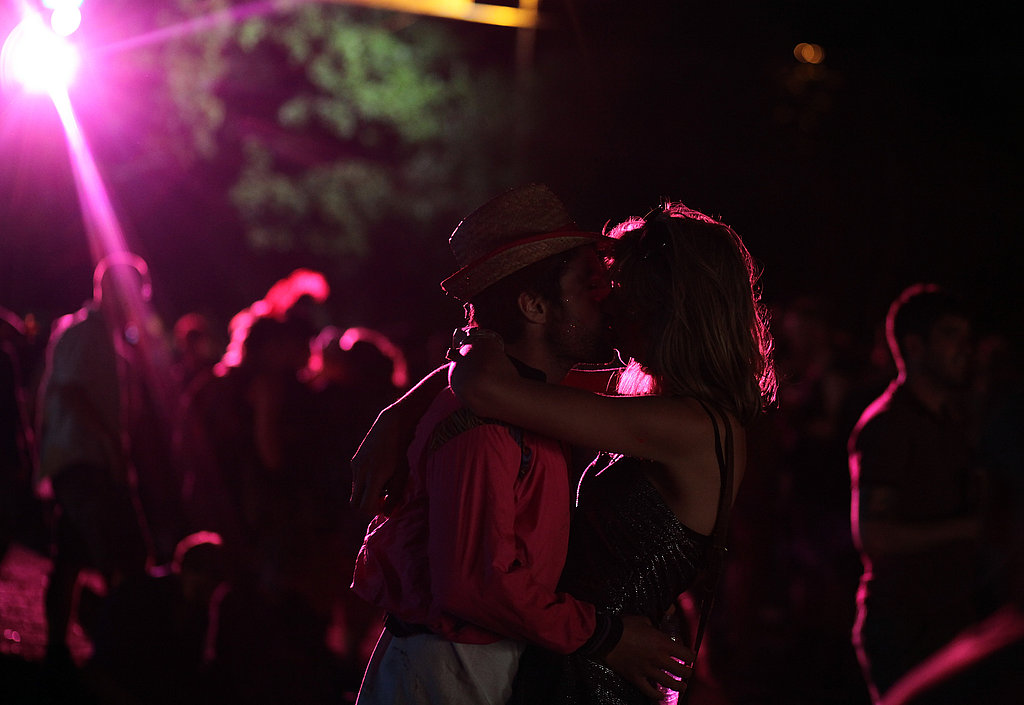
x=533 y=306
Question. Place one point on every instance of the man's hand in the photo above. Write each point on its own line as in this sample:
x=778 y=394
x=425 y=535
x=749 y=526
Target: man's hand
x=647 y=657
x=379 y=467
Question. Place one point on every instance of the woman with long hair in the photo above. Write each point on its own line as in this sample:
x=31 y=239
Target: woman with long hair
x=685 y=312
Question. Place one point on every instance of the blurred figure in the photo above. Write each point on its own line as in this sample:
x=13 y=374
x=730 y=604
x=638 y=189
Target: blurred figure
x=298 y=296
x=197 y=348
x=354 y=374
x=151 y=634
x=240 y=424
x=373 y=359
x=237 y=430
x=811 y=526
x=915 y=513
x=257 y=472
x=20 y=515
x=83 y=462
x=983 y=663
x=811 y=361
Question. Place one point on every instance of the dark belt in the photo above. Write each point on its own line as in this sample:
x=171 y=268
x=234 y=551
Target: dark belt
x=400 y=628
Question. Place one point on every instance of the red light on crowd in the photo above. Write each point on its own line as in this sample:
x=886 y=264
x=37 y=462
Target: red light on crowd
x=37 y=58
x=809 y=53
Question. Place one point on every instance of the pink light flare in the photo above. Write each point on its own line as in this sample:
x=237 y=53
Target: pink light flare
x=65 y=20
x=66 y=17
x=36 y=58
x=101 y=224
x=143 y=329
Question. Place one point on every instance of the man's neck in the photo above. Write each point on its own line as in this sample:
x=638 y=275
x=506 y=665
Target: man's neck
x=932 y=396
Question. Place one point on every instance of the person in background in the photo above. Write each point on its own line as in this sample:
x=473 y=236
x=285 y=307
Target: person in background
x=20 y=513
x=915 y=506
x=982 y=663
x=151 y=633
x=197 y=349
x=354 y=373
x=83 y=462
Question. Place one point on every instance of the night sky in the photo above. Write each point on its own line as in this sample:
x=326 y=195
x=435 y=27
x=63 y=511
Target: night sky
x=895 y=160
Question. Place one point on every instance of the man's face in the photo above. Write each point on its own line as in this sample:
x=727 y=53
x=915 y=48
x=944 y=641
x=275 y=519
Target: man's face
x=578 y=329
x=947 y=351
x=121 y=294
x=627 y=327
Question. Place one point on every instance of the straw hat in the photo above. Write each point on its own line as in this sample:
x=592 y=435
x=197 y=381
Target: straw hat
x=509 y=232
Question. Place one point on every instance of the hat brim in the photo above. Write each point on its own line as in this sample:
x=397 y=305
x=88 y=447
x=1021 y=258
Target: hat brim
x=474 y=278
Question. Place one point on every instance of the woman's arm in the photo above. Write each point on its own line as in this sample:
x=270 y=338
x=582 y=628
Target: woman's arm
x=657 y=428
x=380 y=467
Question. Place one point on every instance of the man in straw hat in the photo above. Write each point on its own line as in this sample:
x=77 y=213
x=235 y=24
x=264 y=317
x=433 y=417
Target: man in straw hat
x=467 y=562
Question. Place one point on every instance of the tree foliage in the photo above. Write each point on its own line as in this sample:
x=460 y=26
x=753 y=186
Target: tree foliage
x=342 y=119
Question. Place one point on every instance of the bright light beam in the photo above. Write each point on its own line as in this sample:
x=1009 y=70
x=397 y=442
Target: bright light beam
x=101 y=224
x=220 y=18
x=36 y=58
x=105 y=236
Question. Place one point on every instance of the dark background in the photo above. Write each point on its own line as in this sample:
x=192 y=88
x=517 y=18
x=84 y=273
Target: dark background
x=895 y=160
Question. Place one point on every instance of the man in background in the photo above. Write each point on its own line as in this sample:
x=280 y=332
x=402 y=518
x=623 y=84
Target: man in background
x=83 y=460
x=915 y=506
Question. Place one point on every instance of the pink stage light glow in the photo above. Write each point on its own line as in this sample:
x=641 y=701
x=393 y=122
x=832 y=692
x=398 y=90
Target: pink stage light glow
x=66 y=17
x=65 y=20
x=101 y=224
x=36 y=58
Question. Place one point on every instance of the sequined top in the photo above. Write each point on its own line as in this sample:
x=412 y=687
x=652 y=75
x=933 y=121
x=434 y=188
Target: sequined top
x=628 y=554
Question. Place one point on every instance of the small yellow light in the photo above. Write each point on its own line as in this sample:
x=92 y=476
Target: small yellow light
x=809 y=53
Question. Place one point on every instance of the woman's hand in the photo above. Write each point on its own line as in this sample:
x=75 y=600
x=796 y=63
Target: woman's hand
x=480 y=367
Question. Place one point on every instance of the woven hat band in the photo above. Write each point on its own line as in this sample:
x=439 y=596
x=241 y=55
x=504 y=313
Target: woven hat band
x=494 y=266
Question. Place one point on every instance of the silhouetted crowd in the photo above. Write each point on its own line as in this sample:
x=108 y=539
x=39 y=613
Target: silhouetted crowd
x=192 y=491
x=214 y=501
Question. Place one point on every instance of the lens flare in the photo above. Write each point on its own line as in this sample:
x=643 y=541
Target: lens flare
x=36 y=58
x=66 y=20
x=807 y=53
